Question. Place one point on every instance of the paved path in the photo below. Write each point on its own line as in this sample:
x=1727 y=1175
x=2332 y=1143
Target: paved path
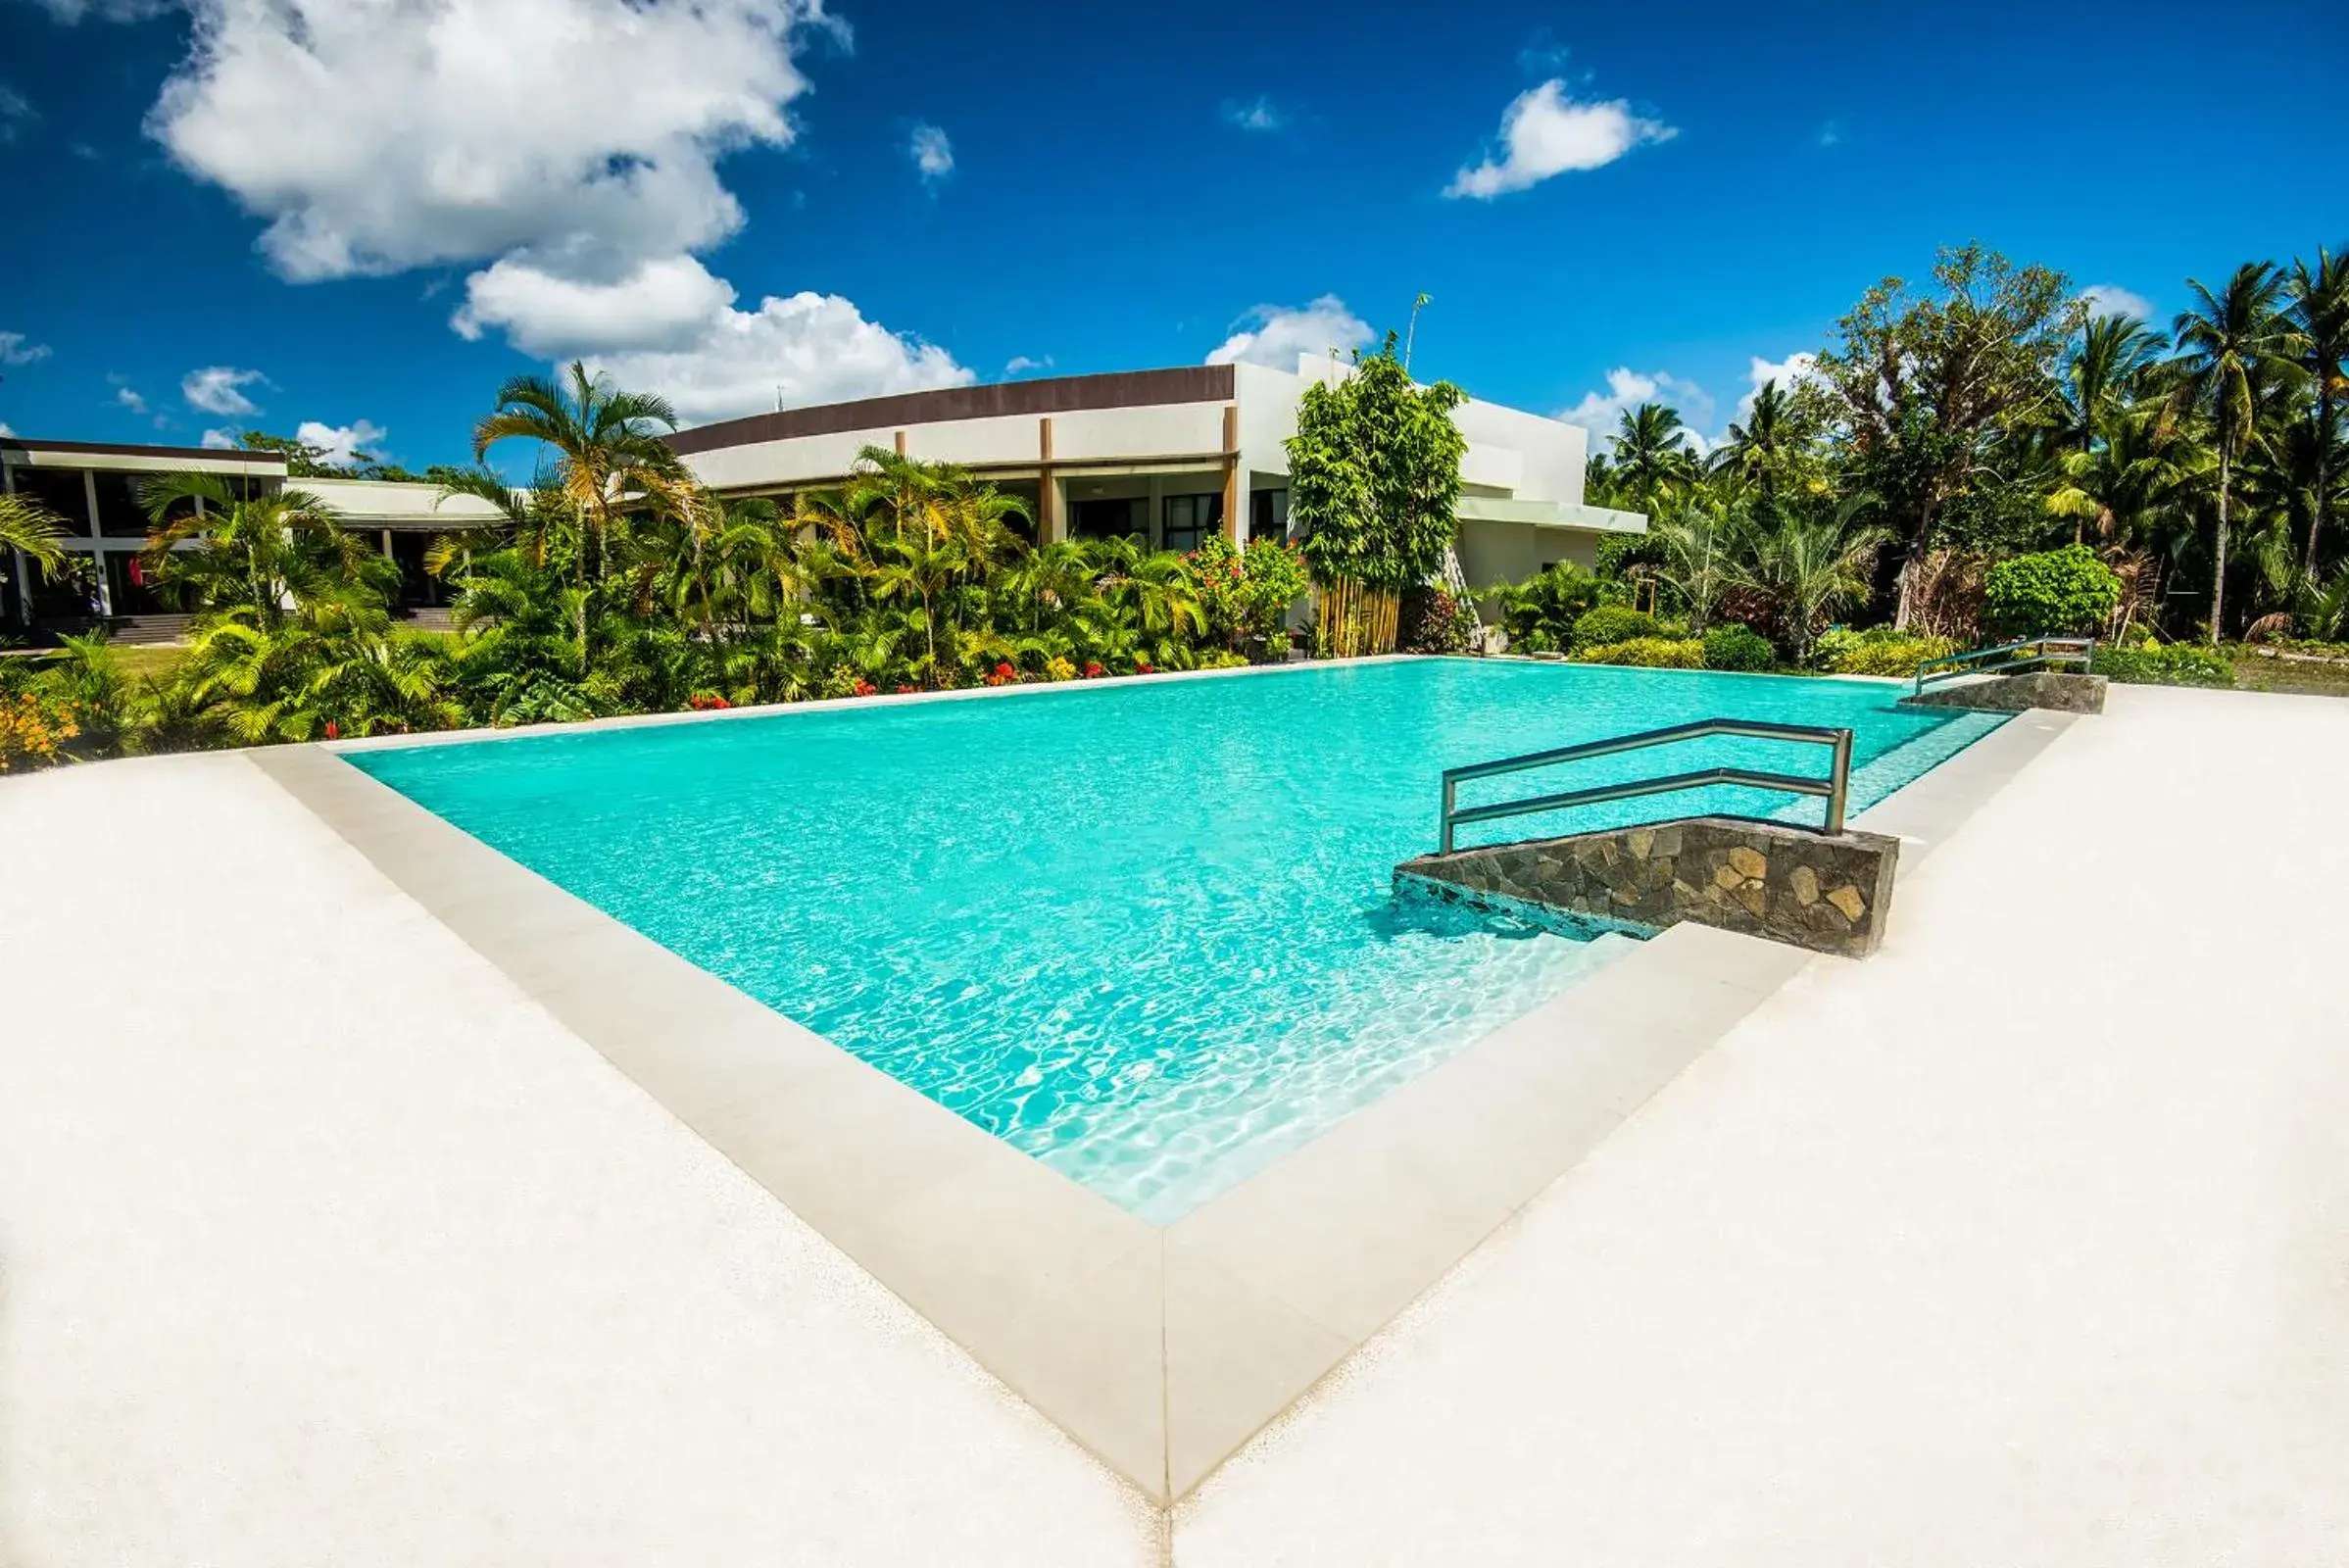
x=2027 y=1242
x=2024 y=1243
x=319 y=1244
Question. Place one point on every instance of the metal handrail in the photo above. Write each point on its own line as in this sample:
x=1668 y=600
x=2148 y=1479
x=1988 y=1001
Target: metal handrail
x=2051 y=651
x=1836 y=786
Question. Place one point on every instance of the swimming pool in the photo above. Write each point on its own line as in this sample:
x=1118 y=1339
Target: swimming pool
x=1142 y=931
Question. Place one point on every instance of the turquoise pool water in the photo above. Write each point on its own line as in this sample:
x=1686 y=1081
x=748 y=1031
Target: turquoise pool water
x=1143 y=931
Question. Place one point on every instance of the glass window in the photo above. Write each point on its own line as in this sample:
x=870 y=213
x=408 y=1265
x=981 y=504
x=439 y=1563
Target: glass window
x=1112 y=518
x=129 y=588
x=1190 y=518
x=120 y=514
x=67 y=592
x=1268 y=515
x=60 y=490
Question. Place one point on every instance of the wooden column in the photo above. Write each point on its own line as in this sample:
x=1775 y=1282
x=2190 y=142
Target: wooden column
x=1235 y=524
x=900 y=443
x=1047 y=490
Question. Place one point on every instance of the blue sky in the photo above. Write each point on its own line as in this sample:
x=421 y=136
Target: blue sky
x=283 y=205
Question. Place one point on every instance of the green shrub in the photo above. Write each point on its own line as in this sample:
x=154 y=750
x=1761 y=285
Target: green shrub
x=1612 y=623
x=1736 y=646
x=2054 y=592
x=1651 y=653
x=1879 y=651
x=1539 y=612
x=1434 y=622
x=2164 y=665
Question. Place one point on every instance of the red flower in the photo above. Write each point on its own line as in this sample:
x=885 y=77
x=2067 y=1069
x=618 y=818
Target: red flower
x=1092 y=671
x=1004 y=671
x=866 y=688
x=1141 y=667
x=335 y=731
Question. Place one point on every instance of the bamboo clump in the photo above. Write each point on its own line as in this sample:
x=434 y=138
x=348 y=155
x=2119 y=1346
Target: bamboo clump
x=1355 y=620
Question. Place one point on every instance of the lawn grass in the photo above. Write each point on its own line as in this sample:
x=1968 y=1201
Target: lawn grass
x=158 y=660
x=2257 y=673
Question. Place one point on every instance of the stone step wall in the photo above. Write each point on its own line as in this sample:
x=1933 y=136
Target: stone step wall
x=1764 y=879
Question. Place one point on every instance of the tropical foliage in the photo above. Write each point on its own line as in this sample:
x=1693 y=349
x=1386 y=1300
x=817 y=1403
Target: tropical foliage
x=1992 y=412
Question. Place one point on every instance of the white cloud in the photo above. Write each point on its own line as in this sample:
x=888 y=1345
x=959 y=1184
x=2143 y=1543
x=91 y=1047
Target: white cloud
x=426 y=136
x=223 y=439
x=1544 y=132
x=1788 y=372
x=659 y=304
x=1256 y=114
x=15 y=349
x=4 y=429
x=808 y=348
x=344 y=444
x=1276 y=334
x=932 y=154
x=2111 y=299
x=1831 y=135
x=216 y=389
x=1021 y=365
x=72 y=11
x=129 y=398
x=425 y=140
x=1600 y=413
x=16 y=112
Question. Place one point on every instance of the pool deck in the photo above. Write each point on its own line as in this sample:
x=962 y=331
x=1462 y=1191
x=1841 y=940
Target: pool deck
x=2021 y=1242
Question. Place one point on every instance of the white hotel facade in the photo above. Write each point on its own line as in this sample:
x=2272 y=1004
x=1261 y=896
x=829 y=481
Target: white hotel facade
x=1169 y=455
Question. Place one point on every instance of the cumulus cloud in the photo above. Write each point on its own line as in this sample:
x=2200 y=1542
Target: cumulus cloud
x=932 y=154
x=2111 y=299
x=220 y=439
x=810 y=348
x=1788 y=372
x=129 y=398
x=1545 y=132
x=657 y=304
x=423 y=136
x=1600 y=413
x=219 y=389
x=343 y=444
x=16 y=112
x=1276 y=334
x=423 y=142
x=1256 y=114
x=17 y=349
x=1021 y=365
x=72 y=11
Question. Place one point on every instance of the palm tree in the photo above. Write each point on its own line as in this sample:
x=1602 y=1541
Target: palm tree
x=606 y=444
x=1653 y=460
x=1702 y=551
x=2320 y=308
x=1812 y=567
x=30 y=527
x=2232 y=343
x=2110 y=363
x=275 y=555
x=1763 y=449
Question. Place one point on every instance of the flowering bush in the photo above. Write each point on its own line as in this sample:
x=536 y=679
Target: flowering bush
x=34 y=730
x=707 y=702
x=866 y=688
x=1246 y=595
x=1057 y=668
x=1094 y=671
x=1141 y=667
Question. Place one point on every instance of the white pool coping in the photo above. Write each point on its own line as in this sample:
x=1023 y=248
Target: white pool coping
x=1160 y=1349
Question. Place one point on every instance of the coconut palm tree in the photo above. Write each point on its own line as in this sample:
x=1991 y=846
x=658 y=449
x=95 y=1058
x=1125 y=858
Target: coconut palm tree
x=1763 y=451
x=2319 y=304
x=1653 y=458
x=2114 y=352
x=606 y=444
x=2233 y=344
